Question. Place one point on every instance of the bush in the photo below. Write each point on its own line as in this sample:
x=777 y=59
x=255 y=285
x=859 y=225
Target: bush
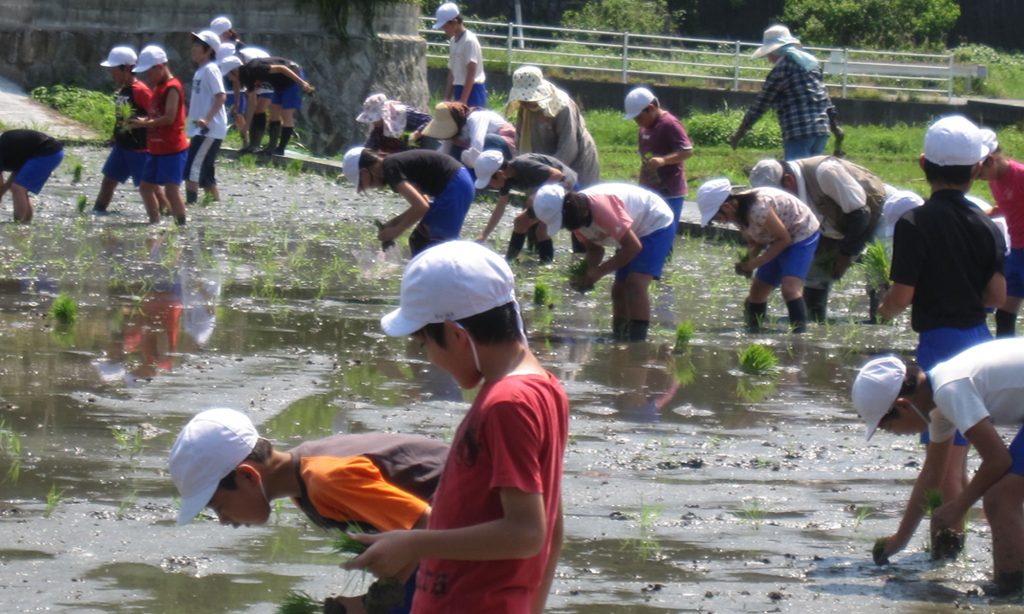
x=715 y=128
x=634 y=16
x=878 y=24
x=92 y=108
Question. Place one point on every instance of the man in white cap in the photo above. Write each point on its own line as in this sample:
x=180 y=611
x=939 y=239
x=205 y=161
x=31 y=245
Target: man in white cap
x=495 y=527
x=972 y=392
x=846 y=198
x=796 y=90
x=128 y=155
x=466 y=79
x=664 y=147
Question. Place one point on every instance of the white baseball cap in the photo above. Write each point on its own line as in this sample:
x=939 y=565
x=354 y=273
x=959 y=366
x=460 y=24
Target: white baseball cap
x=220 y=25
x=955 y=140
x=876 y=388
x=210 y=39
x=637 y=100
x=547 y=206
x=487 y=163
x=989 y=139
x=450 y=281
x=225 y=50
x=151 y=56
x=766 y=174
x=710 y=197
x=350 y=165
x=228 y=64
x=120 y=56
x=445 y=13
x=210 y=446
x=895 y=205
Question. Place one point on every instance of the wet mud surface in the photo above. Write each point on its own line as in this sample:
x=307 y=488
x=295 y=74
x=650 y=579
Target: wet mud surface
x=689 y=485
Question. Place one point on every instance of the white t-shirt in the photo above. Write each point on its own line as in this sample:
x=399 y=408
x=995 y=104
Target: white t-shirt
x=462 y=51
x=984 y=381
x=207 y=82
x=618 y=207
x=479 y=124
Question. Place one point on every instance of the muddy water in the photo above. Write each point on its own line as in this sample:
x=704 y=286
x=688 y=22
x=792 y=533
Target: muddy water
x=689 y=485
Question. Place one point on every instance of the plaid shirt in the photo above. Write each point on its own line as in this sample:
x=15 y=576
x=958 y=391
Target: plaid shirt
x=798 y=97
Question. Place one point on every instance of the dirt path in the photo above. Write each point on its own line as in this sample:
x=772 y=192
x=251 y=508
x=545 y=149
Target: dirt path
x=17 y=110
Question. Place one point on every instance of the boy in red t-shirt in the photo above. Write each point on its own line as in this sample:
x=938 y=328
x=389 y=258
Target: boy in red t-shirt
x=165 y=138
x=1005 y=178
x=495 y=529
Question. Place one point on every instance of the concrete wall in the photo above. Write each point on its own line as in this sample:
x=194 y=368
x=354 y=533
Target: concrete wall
x=62 y=41
x=681 y=100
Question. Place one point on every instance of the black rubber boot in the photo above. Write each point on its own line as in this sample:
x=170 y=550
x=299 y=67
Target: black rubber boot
x=286 y=135
x=816 y=300
x=620 y=329
x=515 y=245
x=191 y=197
x=273 y=134
x=797 y=315
x=1006 y=323
x=256 y=130
x=546 y=250
x=638 y=330
x=755 y=314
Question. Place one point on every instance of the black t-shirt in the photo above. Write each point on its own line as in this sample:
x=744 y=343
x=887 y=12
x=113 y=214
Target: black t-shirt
x=258 y=71
x=430 y=171
x=948 y=250
x=134 y=98
x=19 y=146
x=532 y=171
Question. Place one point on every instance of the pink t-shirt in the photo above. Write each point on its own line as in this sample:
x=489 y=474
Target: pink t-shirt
x=618 y=207
x=513 y=436
x=1008 y=192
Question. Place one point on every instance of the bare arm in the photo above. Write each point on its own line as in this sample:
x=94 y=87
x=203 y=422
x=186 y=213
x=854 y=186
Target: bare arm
x=995 y=462
x=518 y=534
x=629 y=247
x=781 y=239
x=418 y=207
x=541 y=596
x=449 y=85
x=898 y=298
x=288 y=72
x=499 y=210
x=467 y=86
x=928 y=479
x=675 y=157
x=995 y=291
x=170 y=113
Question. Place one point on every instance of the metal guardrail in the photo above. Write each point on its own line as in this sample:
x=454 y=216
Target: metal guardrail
x=699 y=61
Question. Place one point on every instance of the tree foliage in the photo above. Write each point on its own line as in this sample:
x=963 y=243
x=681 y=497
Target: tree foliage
x=879 y=24
x=635 y=16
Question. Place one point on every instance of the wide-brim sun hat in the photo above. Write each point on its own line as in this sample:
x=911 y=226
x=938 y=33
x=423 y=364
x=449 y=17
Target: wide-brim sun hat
x=547 y=206
x=876 y=388
x=710 y=197
x=442 y=124
x=527 y=85
x=151 y=55
x=350 y=165
x=775 y=38
x=373 y=109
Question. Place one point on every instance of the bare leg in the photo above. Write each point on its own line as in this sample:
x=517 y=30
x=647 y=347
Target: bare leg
x=638 y=299
x=792 y=287
x=150 y=193
x=1004 y=508
x=22 y=204
x=106 y=194
x=173 y=192
x=161 y=197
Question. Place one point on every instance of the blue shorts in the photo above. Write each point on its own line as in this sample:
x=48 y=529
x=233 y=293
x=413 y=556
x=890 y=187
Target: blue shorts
x=477 y=97
x=165 y=169
x=202 y=153
x=1013 y=269
x=243 y=102
x=794 y=261
x=940 y=344
x=795 y=149
x=290 y=97
x=449 y=208
x=33 y=174
x=1017 y=453
x=654 y=251
x=124 y=163
x=676 y=205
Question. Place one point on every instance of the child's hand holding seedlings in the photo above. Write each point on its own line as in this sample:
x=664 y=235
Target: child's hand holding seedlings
x=389 y=555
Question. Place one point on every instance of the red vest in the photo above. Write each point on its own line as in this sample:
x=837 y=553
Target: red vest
x=169 y=139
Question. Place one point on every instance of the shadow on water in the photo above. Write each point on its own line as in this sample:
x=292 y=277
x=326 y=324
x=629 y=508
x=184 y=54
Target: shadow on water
x=689 y=484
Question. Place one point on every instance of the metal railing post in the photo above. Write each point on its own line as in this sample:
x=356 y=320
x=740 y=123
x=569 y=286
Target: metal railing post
x=846 y=70
x=508 y=49
x=625 y=57
x=736 y=68
x=949 y=89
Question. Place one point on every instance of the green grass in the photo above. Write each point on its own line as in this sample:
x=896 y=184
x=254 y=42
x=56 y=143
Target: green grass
x=684 y=332
x=92 y=108
x=64 y=309
x=757 y=358
x=83 y=202
x=53 y=499
x=542 y=294
x=299 y=602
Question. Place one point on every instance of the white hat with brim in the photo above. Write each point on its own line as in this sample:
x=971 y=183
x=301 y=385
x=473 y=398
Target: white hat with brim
x=373 y=109
x=445 y=13
x=210 y=446
x=442 y=125
x=487 y=163
x=229 y=64
x=895 y=206
x=710 y=197
x=955 y=140
x=637 y=100
x=220 y=25
x=450 y=281
x=875 y=390
x=775 y=38
x=766 y=174
x=120 y=56
x=208 y=38
x=528 y=85
x=149 y=57
x=350 y=165
x=225 y=50
x=547 y=206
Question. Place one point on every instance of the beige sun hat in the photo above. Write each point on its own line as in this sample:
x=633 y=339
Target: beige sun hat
x=528 y=85
x=775 y=38
x=442 y=126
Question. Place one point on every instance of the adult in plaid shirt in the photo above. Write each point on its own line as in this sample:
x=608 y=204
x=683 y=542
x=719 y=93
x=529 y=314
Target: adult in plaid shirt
x=796 y=90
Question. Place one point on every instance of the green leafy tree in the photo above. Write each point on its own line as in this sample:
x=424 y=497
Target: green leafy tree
x=879 y=24
x=635 y=16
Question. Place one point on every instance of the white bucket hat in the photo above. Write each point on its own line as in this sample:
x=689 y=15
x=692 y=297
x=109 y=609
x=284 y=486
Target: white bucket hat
x=710 y=197
x=895 y=205
x=486 y=164
x=955 y=140
x=229 y=64
x=450 y=281
x=445 y=13
x=210 y=446
x=527 y=85
x=547 y=206
x=876 y=388
x=225 y=50
x=775 y=38
x=151 y=56
x=373 y=108
x=637 y=100
x=120 y=56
